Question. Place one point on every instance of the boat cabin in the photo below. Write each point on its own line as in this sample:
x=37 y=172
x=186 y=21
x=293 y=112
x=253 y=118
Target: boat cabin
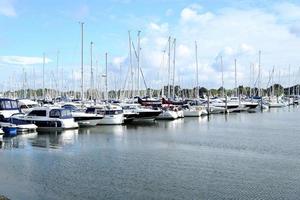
x=51 y=113
x=8 y=107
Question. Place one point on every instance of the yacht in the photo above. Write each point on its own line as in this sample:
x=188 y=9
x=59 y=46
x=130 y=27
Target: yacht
x=167 y=114
x=276 y=102
x=136 y=112
x=250 y=105
x=191 y=111
x=82 y=118
x=46 y=118
x=232 y=105
x=112 y=113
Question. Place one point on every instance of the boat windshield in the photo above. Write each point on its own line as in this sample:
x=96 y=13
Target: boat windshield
x=8 y=104
x=113 y=112
x=70 y=107
x=60 y=113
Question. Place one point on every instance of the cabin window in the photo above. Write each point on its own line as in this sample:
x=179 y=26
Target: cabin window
x=8 y=104
x=66 y=113
x=41 y=113
x=55 y=114
x=3 y=105
x=14 y=104
x=113 y=112
x=90 y=110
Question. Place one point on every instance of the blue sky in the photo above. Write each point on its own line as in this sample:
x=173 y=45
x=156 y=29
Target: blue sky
x=233 y=29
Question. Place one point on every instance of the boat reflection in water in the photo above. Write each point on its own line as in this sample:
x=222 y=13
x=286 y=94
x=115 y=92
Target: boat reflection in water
x=19 y=142
x=172 y=125
x=104 y=129
x=54 y=139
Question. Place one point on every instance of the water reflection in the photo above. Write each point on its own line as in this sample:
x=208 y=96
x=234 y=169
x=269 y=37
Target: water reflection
x=50 y=139
x=54 y=139
x=171 y=125
x=106 y=129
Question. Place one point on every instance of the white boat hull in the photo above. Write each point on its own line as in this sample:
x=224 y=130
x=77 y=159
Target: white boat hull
x=192 y=113
x=167 y=115
x=112 y=120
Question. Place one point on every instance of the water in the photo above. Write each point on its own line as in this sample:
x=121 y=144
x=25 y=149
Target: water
x=241 y=156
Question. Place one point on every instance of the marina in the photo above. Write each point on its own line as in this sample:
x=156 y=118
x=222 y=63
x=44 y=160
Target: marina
x=209 y=157
x=127 y=99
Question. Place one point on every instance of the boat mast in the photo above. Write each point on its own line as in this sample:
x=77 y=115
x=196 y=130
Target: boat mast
x=197 y=73
x=44 y=76
x=106 y=91
x=131 y=68
x=289 y=86
x=169 y=65
x=235 y=79
x=92 y=75
x=222 y=77
x=34 y=89
x=174 y=43
x=273 y=82
x=250 y=93
x=138 y=63
x=57 y=73
x=82 y=89
x=259 y=74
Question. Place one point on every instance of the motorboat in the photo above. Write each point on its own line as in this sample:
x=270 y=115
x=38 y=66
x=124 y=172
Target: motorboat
x=9 y=130
x=167 y=114
x=82 y=118
x=136 y=112
x=112 y=113
x=191 y=111
x=21 y=128
x=46 y=118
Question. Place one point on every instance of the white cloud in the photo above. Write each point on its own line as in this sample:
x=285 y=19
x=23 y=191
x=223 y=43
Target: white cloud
x=7 y=8
x=191 y=14
x=118 y=60
x=158 y=28
x=22 y=60
x=231 y=32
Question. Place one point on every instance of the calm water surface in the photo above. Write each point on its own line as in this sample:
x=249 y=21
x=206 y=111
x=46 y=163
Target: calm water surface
x=239 y=156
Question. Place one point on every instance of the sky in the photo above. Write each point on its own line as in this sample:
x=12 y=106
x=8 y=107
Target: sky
x=233 y=30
